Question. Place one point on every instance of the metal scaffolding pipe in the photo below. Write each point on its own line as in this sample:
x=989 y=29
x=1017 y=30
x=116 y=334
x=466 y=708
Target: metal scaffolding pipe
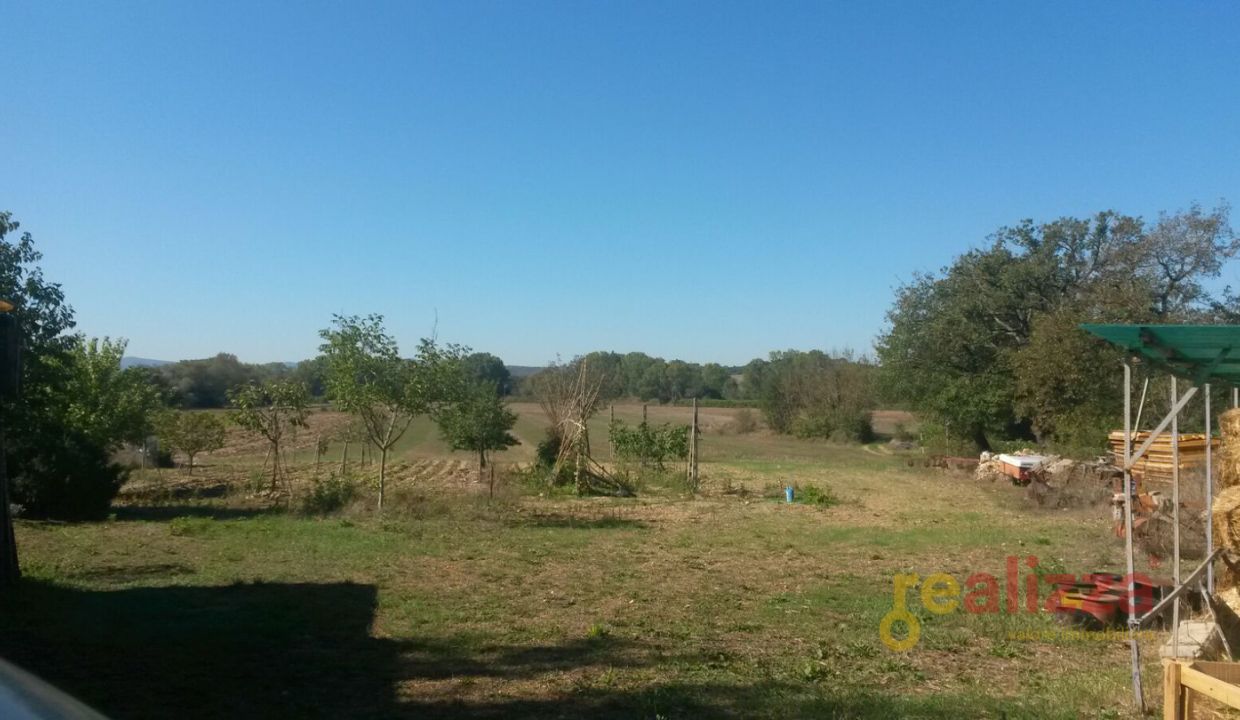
x=1175 y=512
x=1158 y=430
x=1209 y=494
x=1133 y=621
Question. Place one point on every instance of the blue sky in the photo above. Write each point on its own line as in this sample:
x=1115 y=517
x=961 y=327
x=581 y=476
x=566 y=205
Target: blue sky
x=707 y=181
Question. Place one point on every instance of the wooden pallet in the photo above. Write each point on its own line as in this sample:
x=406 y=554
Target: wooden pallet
x=1156 y=464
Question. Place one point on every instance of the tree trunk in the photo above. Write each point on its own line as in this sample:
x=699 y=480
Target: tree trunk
x=344 y=457
x=382 y=475
x=10 y=571
x=191 y=464
x=275 y=466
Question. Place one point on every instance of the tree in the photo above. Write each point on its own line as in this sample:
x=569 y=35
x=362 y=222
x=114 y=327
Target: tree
x=716 y=381
x=367 y=377
x=812 y=394
x=205 y=383
x=990 y=346
x=272 y=409
x=480 y=422
x=485 y=367
x=312 y=373
x=191 y=433
x=108 y=405
x=59 y=430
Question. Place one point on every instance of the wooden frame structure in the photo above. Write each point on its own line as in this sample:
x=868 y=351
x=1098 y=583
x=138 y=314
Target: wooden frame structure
x=1182 y=682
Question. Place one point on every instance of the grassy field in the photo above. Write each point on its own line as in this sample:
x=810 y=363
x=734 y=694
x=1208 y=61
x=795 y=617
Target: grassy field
x=199 y=599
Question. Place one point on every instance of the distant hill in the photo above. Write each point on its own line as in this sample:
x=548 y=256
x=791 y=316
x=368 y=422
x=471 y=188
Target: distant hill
x=127 y=362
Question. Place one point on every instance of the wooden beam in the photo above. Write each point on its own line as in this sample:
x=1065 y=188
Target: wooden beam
x=1161 y=426
x=1173 y=707
x=1209 y=686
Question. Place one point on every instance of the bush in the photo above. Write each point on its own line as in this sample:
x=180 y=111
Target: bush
x=548 y=450
x=329 y=496
x=936 y=438
x=813 y=426
x=744 y=421
x=820 y=496
x=857 y=427
x=66 y=476
x=649 y=444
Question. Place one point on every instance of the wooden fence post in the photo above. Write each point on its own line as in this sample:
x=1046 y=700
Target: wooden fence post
x=694 y=479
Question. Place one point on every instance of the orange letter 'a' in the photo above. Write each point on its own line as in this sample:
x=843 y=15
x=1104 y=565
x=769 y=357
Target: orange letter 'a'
x=988 y=592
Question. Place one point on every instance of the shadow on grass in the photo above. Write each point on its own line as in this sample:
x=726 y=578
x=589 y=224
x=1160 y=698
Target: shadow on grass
x=306 y=651
x=239 y=651
x=569 y=520
x=185 y=490
x=168 y=512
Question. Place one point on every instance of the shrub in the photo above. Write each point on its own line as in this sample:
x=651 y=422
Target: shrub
x=857 y=427
x=813 y=426
x=329 y=495
x=744 y=421
x=598 y=632
x=820 y=496
x=66 y=477
x=548 y=450
x=649 y=444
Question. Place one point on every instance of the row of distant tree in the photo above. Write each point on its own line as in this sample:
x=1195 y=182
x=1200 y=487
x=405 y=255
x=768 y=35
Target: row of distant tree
x=206 y=383
x=811 y=394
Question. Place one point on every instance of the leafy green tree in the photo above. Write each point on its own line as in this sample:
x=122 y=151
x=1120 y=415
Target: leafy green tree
x=273 y=410
x=58 y=432
x=684 y=380
x=191 y=433
x=367 y=377
x=487 y=368
x=653 y=382
x=812 y=394
x=313 y=374
x=990 y=346
x=610 y=367
x=716 y=381
x=108 y=405
x=480 y=422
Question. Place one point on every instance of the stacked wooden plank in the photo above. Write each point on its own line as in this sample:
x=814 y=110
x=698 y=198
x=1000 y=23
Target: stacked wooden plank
x=1156 y=464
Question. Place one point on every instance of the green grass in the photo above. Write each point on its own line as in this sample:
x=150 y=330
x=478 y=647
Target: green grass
x=450 y=606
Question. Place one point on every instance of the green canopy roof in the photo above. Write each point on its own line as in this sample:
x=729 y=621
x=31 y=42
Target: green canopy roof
x=1201 y=353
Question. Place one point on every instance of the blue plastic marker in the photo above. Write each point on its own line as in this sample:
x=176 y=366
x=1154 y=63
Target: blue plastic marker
x=788 y=493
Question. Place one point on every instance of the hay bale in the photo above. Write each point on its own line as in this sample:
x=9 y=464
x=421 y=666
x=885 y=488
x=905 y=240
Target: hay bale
x=1229 y=449
x=1229 y=423
x=1228 y=468
x=1226 y=518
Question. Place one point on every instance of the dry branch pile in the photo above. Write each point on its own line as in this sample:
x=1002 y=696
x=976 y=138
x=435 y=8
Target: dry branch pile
x=569 y=396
